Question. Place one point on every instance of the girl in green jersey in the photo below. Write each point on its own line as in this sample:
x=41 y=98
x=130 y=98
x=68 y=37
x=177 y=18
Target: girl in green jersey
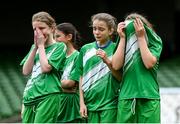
x=138 y=52
x=42 y=64
x=69 y=110
x=98 y=87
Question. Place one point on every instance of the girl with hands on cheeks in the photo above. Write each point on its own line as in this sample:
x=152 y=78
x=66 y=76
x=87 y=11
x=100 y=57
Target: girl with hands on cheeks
x=43 y=65
x=39 y=37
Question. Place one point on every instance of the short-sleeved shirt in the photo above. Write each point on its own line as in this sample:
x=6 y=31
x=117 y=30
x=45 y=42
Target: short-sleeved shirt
x=69 y=103
x=41 y=84
x=99 y=86
x=69 y=65
x=138 y=81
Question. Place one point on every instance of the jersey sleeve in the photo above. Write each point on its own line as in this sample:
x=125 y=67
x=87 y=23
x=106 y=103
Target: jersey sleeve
x=78 y=71
x=58 y=57
x=73 y=74
x=155 y=43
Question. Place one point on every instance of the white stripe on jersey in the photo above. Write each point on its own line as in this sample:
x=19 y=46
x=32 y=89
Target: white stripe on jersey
x=37 y=67
x=36 y=71
x=67 y=71
x=127 y=22
x=131 y=48
x=93 y=75
x=88 y=55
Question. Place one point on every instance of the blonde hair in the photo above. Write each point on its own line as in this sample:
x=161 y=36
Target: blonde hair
x=44 y=17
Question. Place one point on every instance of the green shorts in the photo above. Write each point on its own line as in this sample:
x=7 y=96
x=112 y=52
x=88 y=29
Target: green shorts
x=104 y=116
x=46 y=111
x=69 y=109
x=139 y=111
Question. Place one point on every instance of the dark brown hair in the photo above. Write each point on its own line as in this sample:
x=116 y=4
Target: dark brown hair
x=68 y=28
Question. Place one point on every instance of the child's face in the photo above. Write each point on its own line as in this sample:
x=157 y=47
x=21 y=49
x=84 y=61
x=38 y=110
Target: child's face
x=101 y=31
x=60 y=37
x=43 y=27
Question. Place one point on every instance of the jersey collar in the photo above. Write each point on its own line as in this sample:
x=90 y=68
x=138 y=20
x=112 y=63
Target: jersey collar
x=103 y=46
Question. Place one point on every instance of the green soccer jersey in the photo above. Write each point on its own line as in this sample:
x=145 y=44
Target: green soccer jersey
x=41 y=84
x=138 y=81
x=69 y=65
x=69 y=103
x=99 y=86
x=73 y=74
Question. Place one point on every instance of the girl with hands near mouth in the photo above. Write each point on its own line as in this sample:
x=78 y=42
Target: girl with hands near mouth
x=43 y=64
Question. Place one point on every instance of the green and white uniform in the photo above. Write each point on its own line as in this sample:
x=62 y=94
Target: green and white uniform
x=42 y=86
x=138 y=81
x=69 y=104
x=99 y=86
x=69 y=65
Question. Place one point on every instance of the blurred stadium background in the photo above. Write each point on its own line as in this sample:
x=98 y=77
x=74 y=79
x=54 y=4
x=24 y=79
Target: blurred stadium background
x=17 y=37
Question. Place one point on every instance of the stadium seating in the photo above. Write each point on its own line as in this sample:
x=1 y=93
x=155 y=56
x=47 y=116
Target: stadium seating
x=12 y=84
x=169 y=73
